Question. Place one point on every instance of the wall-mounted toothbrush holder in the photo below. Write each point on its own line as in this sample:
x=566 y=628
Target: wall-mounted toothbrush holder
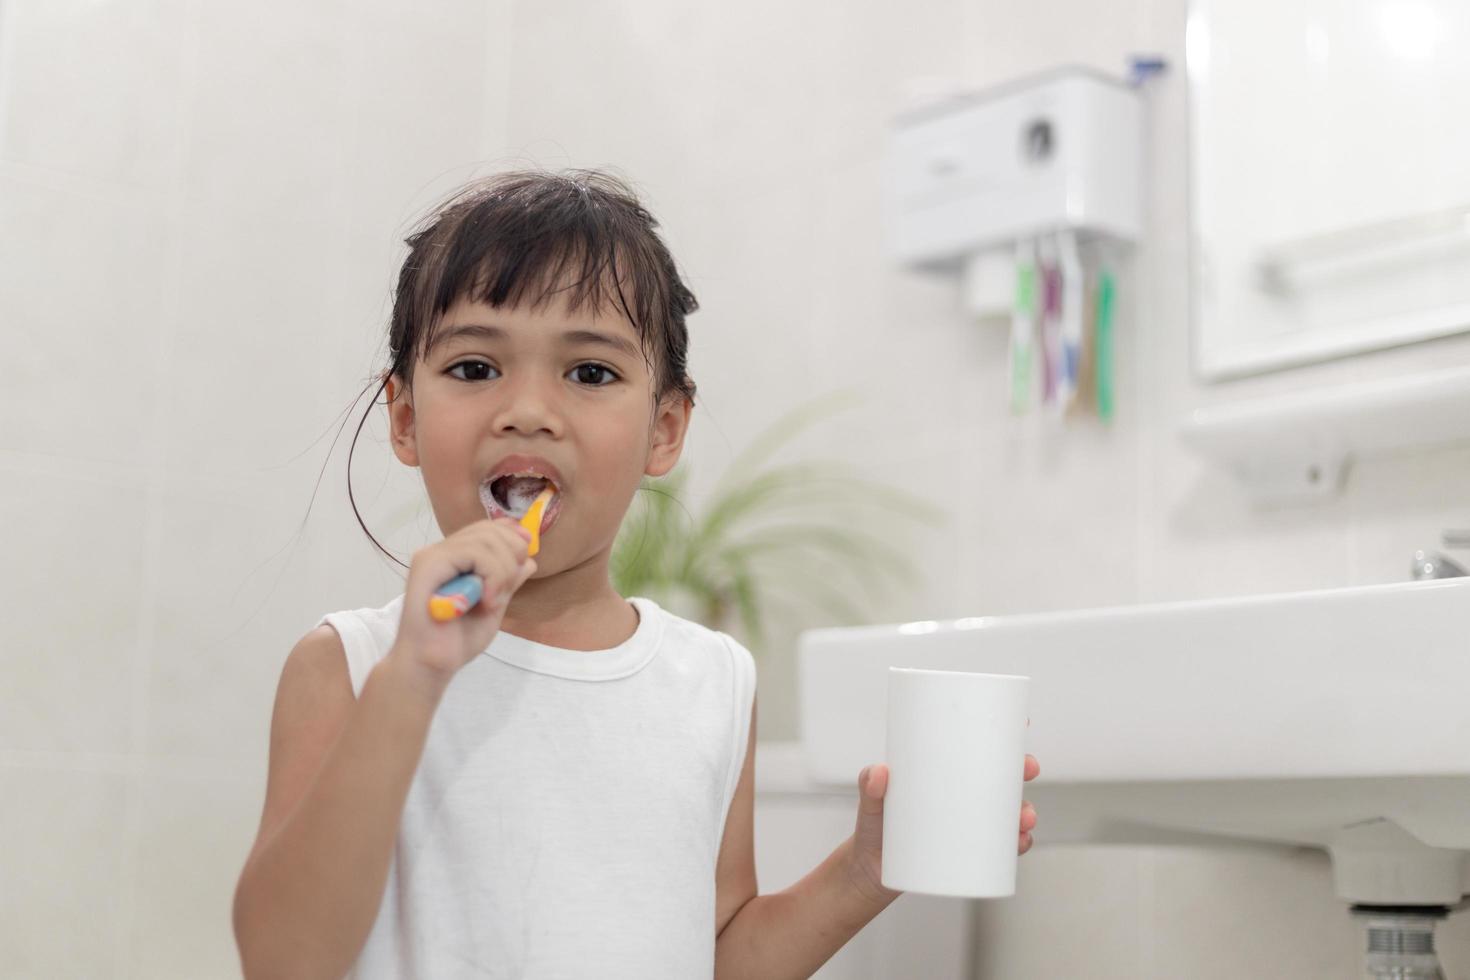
x=1023 y=192
x=1060 y=151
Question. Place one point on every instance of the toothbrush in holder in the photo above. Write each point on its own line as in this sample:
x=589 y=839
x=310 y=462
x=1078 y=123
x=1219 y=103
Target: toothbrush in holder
x=458 y=596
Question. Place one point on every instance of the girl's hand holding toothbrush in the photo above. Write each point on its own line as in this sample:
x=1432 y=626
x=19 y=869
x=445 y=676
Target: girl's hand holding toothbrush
x=495 y=550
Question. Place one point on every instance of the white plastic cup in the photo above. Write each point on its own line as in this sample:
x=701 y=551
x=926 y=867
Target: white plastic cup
x=956 y=769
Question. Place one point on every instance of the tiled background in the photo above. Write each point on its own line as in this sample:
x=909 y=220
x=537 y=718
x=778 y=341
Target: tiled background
x=201 y=206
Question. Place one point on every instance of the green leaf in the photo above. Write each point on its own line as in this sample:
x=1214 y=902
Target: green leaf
x=869 y=556
x=776 y=543
x=785 y=428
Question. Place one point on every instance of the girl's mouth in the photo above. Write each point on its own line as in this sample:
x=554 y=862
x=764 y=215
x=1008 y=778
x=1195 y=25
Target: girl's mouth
x=511 y=496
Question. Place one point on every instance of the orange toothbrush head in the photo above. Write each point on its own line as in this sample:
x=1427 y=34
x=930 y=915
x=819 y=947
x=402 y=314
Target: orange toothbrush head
x=532 y=519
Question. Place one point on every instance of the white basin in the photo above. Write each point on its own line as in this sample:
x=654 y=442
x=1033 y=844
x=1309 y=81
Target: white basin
x=1338 y=718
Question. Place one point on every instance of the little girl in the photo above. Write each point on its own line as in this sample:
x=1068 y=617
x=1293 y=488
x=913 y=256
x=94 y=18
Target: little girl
x=558 y=784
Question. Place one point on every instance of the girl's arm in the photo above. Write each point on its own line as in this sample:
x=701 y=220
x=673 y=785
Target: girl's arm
x=340 y=769
x=788 y=934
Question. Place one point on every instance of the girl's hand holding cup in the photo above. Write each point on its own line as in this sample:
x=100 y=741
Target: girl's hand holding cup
x=951 y=787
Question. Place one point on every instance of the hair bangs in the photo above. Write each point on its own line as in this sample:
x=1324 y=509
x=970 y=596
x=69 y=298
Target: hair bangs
x=525 y=238
x=504 y=256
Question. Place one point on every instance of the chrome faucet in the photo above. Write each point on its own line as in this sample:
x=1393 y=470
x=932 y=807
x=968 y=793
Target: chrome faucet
x=1429 y=564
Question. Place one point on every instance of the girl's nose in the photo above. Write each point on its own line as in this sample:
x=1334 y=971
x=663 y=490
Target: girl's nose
x=528 y=406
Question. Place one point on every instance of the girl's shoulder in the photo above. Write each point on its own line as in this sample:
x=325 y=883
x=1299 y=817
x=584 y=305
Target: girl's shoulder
x=316 y=665
x=680 y=633
x=364 y=637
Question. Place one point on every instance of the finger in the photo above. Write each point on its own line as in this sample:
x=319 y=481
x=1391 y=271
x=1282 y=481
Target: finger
x=514 y=577
x=515 y=537
x=878 y=781
x=509 y=544
x=497 y=563
x=1024 y=843
x=1032 y=768
x=872 y=784
x=1028 y=817
x=527 y=569
x=497 y=593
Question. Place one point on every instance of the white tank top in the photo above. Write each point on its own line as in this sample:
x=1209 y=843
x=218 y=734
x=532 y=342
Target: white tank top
x=566 y=816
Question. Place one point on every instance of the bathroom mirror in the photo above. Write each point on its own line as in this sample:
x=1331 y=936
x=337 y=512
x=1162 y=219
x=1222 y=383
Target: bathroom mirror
x=1330 y=183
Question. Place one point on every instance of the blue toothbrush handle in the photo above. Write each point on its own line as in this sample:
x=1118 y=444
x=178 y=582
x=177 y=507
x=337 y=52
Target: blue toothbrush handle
x=456 y=597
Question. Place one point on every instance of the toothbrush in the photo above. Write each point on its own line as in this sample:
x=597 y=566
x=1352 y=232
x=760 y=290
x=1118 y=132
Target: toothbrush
x=1023 y=327
x=1104 y=368
x=1050 y=302
x=459 y=595
x=1070 y=332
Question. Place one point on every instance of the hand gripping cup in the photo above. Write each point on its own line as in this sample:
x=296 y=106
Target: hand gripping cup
x=956 y=768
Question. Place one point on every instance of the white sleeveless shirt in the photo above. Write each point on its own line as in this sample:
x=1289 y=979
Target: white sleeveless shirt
x=568 y=810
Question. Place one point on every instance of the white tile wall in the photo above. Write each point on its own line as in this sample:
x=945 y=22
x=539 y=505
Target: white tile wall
x=201 y=210
x=78 y=260
x=70 y=665
x=190 y=819
x=782 y=115
x=201 y=206
x=63 y=864
x=81 y=103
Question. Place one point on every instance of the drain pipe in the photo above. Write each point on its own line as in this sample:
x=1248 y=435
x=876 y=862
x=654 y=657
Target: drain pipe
x=1401 y=940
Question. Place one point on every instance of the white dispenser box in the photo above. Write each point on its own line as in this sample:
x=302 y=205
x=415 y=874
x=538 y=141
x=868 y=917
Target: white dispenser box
x=1052 y=152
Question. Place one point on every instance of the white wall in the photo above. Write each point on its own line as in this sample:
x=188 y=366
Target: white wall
x=756 y=130
x=200 y=211
x=200 y=205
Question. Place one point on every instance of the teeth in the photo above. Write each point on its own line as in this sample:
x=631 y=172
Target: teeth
x=514 y=492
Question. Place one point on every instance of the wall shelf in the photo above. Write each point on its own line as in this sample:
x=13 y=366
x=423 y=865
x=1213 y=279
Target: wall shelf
x=1299 y=446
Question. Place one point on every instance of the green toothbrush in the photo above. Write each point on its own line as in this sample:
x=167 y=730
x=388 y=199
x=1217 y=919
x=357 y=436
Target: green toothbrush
x=1105 y=346
x=1022 y=330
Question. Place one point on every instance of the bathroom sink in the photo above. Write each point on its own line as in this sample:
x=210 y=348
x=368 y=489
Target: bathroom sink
x=1338 y=719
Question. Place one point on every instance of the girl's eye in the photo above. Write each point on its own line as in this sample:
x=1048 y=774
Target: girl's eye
x=590 y=372
x=469 y=364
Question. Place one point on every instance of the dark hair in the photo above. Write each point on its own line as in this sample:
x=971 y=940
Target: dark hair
x=512 y=238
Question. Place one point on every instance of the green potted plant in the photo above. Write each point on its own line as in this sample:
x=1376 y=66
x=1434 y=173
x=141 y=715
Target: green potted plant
x=800 y=543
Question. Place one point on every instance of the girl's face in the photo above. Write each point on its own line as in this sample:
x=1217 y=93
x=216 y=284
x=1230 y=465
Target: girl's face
x=568 y=396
